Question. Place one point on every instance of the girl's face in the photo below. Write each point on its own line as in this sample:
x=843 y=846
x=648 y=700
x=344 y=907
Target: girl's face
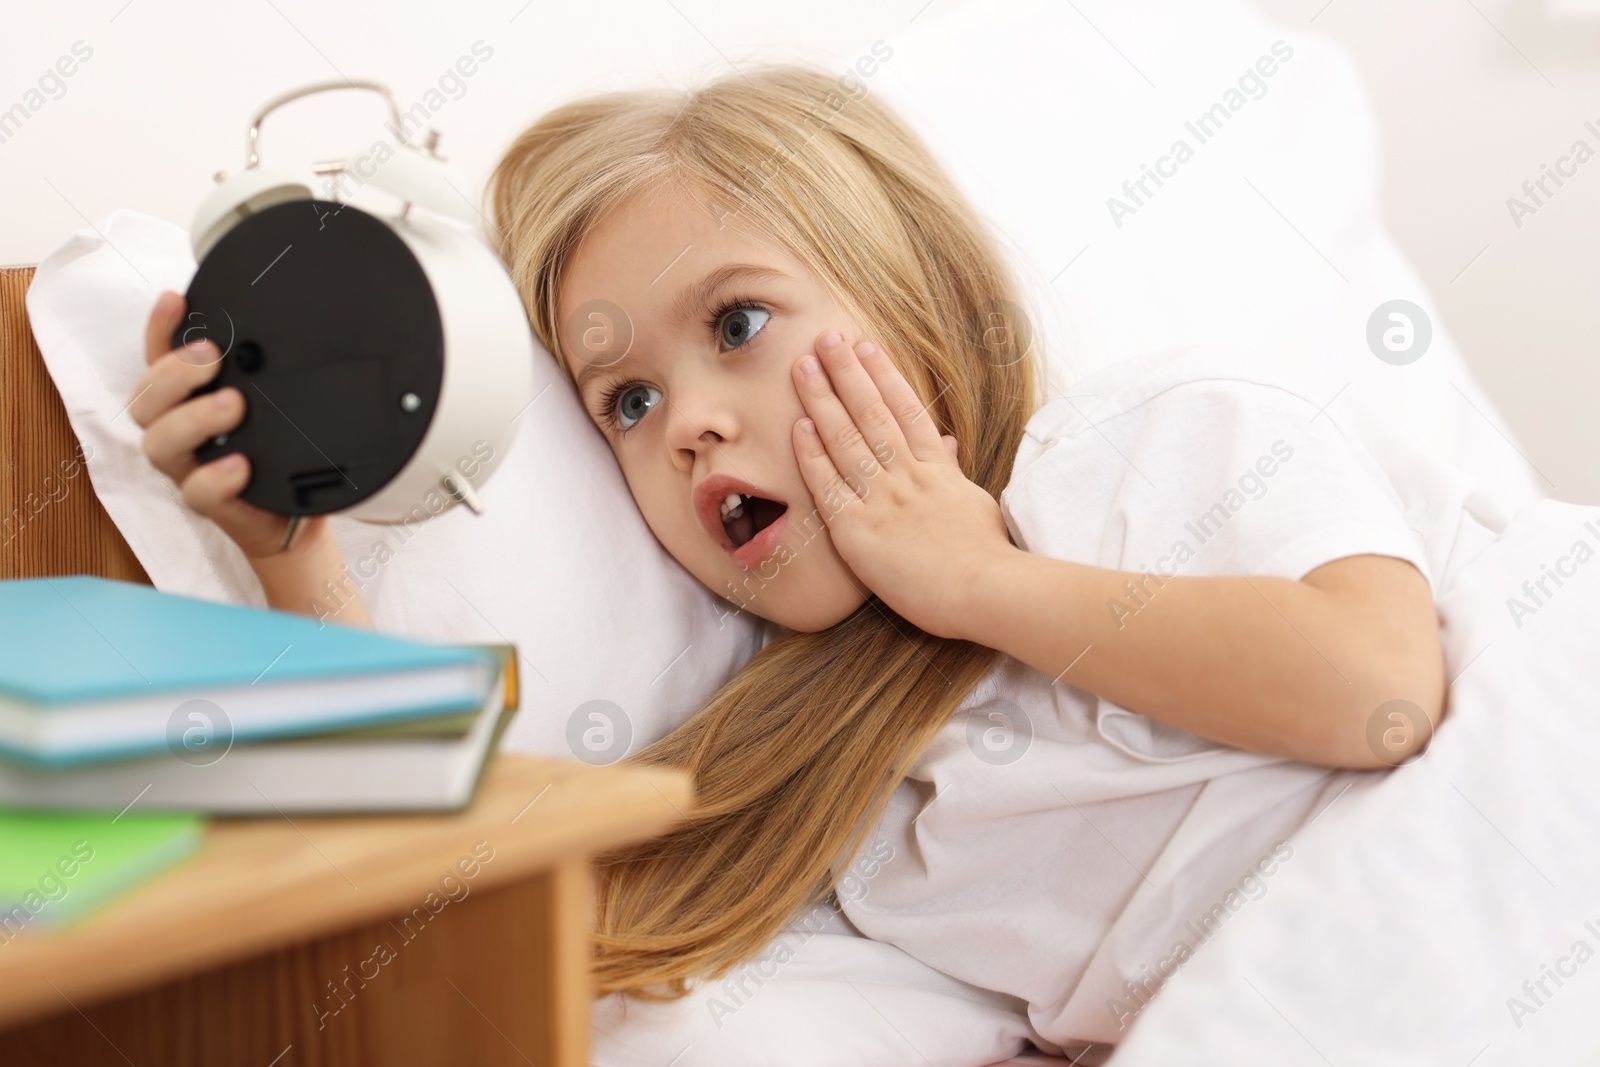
x=682 y=332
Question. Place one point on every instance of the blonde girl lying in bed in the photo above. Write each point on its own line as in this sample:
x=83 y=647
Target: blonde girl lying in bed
x=1085 y=660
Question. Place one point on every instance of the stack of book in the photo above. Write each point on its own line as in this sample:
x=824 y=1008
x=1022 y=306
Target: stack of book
x=128 y=714
x=115 y=696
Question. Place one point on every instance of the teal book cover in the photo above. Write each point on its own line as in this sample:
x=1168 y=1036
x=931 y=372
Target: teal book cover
x=80 y=638
x=93 y=669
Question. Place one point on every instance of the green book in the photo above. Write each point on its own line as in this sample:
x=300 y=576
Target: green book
x=55 y=866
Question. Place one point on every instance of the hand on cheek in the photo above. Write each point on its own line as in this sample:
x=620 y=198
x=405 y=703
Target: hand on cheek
x=898 y=509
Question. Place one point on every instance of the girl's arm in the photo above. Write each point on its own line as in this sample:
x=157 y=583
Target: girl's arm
x=1290 y=668
x=311 y=578
x=1293 y=668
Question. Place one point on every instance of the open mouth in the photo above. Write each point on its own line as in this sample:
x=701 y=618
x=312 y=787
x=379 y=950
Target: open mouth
x=744 y=516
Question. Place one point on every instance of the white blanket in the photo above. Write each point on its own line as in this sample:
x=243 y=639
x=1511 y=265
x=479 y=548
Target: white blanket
x=1447 y=912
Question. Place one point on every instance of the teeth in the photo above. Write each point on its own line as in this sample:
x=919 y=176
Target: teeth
x=733 y=506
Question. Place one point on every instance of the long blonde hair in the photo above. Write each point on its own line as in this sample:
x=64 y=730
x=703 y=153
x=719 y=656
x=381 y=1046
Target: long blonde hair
x=794 y=758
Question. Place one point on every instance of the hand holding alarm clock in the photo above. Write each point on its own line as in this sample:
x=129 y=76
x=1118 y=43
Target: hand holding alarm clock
x=354 y=363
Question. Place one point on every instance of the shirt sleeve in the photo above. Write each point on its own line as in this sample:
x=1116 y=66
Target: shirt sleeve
x=1215 y=476
x=1212 y=477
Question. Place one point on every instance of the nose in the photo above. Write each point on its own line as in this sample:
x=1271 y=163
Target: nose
x=699 y=419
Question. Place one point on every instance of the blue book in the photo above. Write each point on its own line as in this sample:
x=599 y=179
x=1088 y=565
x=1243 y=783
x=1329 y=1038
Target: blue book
x=94 y=669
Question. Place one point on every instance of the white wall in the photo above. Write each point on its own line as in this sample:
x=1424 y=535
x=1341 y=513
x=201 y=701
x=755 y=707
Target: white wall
x=1467 y=115
x=164 y=100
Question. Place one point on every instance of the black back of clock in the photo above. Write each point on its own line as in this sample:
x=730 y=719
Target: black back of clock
x=328 y=326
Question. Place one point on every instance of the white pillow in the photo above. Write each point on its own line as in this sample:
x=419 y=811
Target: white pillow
x=1268 y=236
x=618 y=642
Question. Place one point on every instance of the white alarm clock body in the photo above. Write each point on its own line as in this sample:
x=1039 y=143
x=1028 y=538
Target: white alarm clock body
x=488 y=347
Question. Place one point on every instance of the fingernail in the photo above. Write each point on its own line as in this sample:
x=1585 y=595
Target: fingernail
x=807 y=426
x=867 y=348
x=222 y=398
x=832 y=339
x=810 y=365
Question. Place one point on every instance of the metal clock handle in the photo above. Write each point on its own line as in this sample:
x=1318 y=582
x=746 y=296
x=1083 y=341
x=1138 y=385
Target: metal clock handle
x=253 y=156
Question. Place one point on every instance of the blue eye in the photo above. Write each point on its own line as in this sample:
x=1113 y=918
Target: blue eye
x=626 y=406
x=736 y=327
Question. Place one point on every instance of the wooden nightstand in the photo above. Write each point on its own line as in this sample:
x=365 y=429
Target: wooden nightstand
x=322 y=941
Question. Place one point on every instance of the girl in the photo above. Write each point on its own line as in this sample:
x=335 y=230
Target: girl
x=1085 y=660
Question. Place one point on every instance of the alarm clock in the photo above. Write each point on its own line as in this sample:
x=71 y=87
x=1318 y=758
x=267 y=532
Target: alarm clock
x=383 y=360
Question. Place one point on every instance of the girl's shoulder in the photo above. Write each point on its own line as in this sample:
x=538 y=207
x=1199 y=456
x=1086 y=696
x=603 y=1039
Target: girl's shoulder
x=1216 y=460
x=1203 y=373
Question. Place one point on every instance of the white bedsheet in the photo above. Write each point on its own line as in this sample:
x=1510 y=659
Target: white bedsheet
x=820 y=996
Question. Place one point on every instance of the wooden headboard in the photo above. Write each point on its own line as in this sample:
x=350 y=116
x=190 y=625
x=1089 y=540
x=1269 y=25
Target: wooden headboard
x=51 y=522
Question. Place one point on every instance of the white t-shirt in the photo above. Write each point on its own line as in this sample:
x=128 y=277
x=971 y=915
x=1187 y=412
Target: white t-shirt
x=1073 y=853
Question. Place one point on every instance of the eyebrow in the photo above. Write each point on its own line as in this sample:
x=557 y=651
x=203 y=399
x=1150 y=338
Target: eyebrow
x=693 y=297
